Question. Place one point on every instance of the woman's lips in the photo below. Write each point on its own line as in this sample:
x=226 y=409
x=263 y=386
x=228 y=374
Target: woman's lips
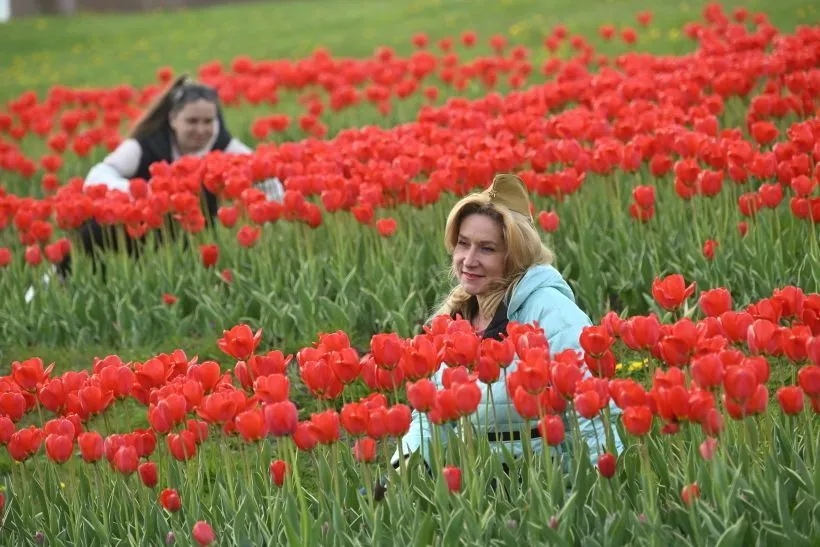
x=471 y=277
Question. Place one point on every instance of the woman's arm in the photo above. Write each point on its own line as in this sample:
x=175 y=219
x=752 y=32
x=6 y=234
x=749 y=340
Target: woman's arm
x=421 y=432
x=272 y=187
x=117 y=168
x=563 y=321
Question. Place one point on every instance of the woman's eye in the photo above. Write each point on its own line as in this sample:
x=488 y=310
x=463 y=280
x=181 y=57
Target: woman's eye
x=487 y=249
x=461 y=244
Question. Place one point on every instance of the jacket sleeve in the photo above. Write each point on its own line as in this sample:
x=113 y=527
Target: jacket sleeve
x=117 y=168
x=421 y=432
x=274 y=191
x=563 y=321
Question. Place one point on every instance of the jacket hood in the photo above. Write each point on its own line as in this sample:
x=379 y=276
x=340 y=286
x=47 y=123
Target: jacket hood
x=536 y=278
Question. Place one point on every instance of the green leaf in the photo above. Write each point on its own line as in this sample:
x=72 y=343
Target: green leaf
x=733 y=536
x=454 y=528
x=424 y=532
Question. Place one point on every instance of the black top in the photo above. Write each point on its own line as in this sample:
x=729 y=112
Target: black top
x=498 y=324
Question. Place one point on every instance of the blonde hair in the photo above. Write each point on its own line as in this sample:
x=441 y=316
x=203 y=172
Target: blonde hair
x=171 y=100
x=524 y=249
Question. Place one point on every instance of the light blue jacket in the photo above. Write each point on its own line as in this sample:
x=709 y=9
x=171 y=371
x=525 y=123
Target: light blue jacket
x=542 y=295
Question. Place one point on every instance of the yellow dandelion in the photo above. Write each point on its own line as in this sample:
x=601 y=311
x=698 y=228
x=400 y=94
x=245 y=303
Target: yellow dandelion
x=619 y=366
x=654 y=34
x=673 y=34
x=635 y=366
x=62 y=485
x=518 y=28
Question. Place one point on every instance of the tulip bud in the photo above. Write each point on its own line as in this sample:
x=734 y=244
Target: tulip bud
x=452 y=476
x=607 y=465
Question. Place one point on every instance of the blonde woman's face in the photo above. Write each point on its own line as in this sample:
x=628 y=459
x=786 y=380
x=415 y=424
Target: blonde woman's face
x=479 y=255
x=193 y=125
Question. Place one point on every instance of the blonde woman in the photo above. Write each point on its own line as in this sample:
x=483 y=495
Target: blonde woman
x=503 y=274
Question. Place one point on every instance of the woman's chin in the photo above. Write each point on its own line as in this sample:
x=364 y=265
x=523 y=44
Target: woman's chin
x=471 y=287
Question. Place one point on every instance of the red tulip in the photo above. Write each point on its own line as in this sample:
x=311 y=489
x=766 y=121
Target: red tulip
x=278 y=471
x=239 y=342
x=690 y=493
x=452 y=477
x=6 y=429
x=809 y=380
x=399 y=418
x=169 y=499
x=182 y=445
x=326 y=426
x=715 y=302
x=251 y=425
x=364 y=450
x=595 y=340
x=305 y=437
x=549 y=221
x=790 y=399
x=672 y=291
x=707 y=370
x=59 y=447
x=637 y=420
x=386 y=349
x=386 y=226
x=148 y=474
x=709 y=249
x=203 y=534
x=354 y=418
x=607 y=465
x=32 y=256
x=126 y=460
x=29 y=374
x=91 y=446
x=169 y=299
x=421 y=394
x=248 y=235
x=552 y=429
x=13 y=405
x=708 y=448
x=281 y=418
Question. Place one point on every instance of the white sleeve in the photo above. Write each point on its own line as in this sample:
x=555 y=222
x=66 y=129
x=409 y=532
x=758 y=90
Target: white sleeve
x=102 y=173
x=125 y=158
x=272 y=187
x=237 y=147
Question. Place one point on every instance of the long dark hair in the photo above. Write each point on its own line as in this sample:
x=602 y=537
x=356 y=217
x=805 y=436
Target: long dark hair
x=182 y=91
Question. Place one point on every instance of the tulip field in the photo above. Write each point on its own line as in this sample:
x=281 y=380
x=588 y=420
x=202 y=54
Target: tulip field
x=248 y=383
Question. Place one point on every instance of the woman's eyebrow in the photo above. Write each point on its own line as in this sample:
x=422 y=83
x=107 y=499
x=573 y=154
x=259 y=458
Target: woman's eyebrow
x=481 y=242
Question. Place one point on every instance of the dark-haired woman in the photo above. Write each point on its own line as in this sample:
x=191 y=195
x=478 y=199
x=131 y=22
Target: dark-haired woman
x=185 y=120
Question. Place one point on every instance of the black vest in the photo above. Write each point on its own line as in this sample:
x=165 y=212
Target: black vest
x=157 y=147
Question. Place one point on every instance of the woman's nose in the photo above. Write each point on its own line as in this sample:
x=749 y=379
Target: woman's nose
x=471 y=258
